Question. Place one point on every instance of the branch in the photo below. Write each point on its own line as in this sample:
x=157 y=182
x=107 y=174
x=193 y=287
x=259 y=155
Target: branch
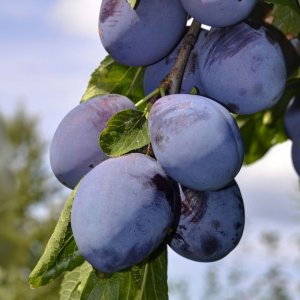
x=172 y=82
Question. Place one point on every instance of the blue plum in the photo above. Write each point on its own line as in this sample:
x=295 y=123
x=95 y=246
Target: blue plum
x=155 y=73
x=296 y=155
x=210 y=225
x=142 y=36
x=292 y=119
x=122 y=211
x=219 y=13
x=242 y=67
x=196 y=140
x=74 y=149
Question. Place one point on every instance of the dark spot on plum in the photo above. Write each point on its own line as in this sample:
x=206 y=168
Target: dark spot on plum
x=238 y=225
x=182 y=227
x=108 y=9
x=194 y=204
x=216 y=224
x=209 y=245
x=91 y=166
x=232 y=107
x=183 y=244
x=163 y=185
x=159 y=140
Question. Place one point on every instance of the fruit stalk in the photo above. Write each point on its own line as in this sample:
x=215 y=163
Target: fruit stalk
x=172 y=82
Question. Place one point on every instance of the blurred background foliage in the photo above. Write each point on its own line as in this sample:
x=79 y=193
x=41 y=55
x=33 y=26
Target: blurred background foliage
x=27 y=214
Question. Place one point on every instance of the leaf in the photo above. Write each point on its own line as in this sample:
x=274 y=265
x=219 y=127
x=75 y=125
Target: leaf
x=293 y=4
x=286 y=19
x=124 y=132
x=74 y=282
x=133 y=3
x=268 y=126
x=113 y=78
x=147 y=281
x=61 y=253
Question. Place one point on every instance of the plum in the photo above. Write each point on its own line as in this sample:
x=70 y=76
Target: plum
x=292 y=119
x=242 y=67
x=210 y=225
x=196 y=140
x=296 y=155
x=123 y=210
x=142 y=36
x=219 y=13
x=74 y=149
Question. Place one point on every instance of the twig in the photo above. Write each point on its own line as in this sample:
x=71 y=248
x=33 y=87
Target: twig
x=172 y=82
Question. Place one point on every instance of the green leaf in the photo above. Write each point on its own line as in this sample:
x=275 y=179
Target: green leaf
x=286 y=19
x=61 y=253
x=263 y=130
x=133 y=3
x=113 y=78
x=124 y=132
x=293 y=4
x=74 y=282
x=147 y=281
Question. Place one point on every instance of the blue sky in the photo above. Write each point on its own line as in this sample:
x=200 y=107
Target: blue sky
x=48 y=50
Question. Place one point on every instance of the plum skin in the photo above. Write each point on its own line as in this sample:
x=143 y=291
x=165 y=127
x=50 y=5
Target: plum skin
x=122 y=211
x=219 y=13
x=242 y=67
x=292 y=119
x=74 y=149
x=196 y=141
x=142 y=36
x=210 y=225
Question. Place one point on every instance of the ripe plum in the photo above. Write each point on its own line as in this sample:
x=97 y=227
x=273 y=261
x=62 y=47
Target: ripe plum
x=142 y=36
x=122 y=211
x=196 y=140
x=74 y=149
x=210 y=225
x=242 y=67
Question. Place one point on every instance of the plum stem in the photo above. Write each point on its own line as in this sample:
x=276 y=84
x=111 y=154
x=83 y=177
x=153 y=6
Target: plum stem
x=148 y=97
x=172 y=82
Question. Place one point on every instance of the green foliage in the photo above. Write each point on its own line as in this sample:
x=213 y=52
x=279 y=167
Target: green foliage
x=61 y=253
x=125 y=131
x=145 y=281
x=291 y=4
x=113 y=78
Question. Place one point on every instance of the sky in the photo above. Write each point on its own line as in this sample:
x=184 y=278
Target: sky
x=48 y=50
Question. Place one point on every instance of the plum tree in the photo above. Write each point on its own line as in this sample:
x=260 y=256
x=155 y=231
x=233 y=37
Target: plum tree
x=158 y=71
x=242 y=67
x=74 y=149
x=142 y=36
x=210 y=225
x=292 y=119
x=219 y=13
x=122 y=211
x=196 y=141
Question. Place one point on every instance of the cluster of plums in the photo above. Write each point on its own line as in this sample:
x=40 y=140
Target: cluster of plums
x=125 y=207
